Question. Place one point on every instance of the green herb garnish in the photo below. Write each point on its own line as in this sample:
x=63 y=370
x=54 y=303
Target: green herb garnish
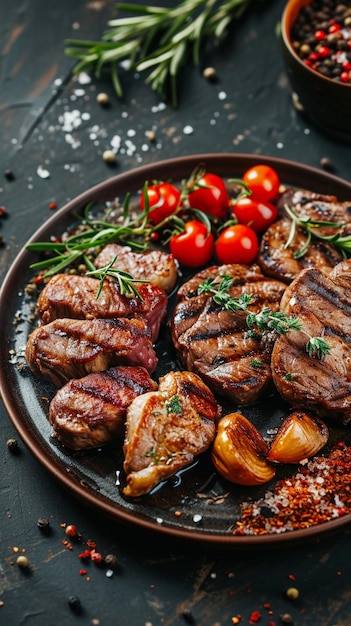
x=125 y=281
x=312 y=228
x=264 y=321
x=174 y=406
x=158 y=40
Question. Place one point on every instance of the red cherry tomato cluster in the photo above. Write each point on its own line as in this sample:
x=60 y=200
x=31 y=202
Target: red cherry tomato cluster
x=238 y=222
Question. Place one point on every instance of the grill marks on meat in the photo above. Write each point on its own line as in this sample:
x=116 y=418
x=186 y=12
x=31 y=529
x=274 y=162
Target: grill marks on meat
x=156 y=266
x=166 y=429
x=212 y=341
x=323 y=305
x=68 y=348
x=67 y=296
x=90 y=412
x=277 y=261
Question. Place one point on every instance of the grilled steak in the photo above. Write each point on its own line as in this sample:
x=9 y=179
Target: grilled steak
x=156 y=266
x=278 y=261
x=166 y=429
x=67 y=348
x=89 y=412
x=74 y=297
x=322 y=303
x=212 y=341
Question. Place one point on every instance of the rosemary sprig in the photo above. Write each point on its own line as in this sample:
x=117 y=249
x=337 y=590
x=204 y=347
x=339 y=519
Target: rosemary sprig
x=125 y=281
x=156 y=39
x=266 y=320
x=312 y=228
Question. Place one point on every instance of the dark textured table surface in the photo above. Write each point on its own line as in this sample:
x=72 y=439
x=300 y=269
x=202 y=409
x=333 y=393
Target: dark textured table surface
x=160 y=580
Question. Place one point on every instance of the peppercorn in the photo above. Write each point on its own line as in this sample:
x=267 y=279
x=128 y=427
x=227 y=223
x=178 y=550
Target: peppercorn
x=111 y=561
x=43 y=524
x=292 y=593
x=13 y=446
x=22 y=561
x=286 y=619
x=71 y=530
x=9 y=175
x=109 y=156
x=103 y=99
x=74 y=603
x=188 y=616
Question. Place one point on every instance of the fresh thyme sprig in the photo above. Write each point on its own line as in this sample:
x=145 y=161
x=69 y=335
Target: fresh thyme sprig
x=266 y=320
x=312 y=228
x=125 y=281
x=156 y=39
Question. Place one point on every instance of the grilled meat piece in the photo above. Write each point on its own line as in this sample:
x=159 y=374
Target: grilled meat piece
x=323 y=305
x=278 y=261
x=156 y=266
x=212 y=341
x=67 y=348
x=89 y=412
x=75 y=297
x=166 y=429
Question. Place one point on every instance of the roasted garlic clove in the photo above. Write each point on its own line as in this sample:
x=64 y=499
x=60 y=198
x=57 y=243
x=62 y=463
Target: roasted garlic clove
x=239 y=452
x=299 y=437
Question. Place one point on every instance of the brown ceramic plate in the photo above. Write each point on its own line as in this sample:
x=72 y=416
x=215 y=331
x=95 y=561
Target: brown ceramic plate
x=196 y=504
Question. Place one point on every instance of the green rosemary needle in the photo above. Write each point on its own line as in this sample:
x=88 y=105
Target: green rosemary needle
x=158 y=40
x=125 y=281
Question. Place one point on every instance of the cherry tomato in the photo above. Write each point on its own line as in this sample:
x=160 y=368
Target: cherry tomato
x=211 y=196
x=237 y=244
x=165 y=198
x=193 y=247
x=255 y=213
x=263 y=181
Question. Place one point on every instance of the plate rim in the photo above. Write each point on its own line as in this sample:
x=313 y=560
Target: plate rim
x=128 y=179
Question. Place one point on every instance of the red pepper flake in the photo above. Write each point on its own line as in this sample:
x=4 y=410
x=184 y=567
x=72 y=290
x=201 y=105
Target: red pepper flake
x=71 y=530
x=313 y=495
x=271 y=623
x=255 y=617
x=291 y=577
x=91 y=544
x=85 y=554
x=3 y=211
x=83 y=572
x=67 y=544
x=38 y=279
x=96 y=557
x=52 y=206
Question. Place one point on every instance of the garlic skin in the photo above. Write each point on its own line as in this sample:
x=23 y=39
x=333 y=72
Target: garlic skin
x=239 y=452
x=299 y=437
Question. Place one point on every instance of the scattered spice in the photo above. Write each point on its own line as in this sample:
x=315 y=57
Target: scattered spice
x=43 y=524
x=71 y=530
x=319 y=491
x=292 y=593
x=13 y=446
x=3 y=211
x=103 y=99
x=109 y=156
x=74 y=603
x=9 y=175
x=209 y=73
x=286 y=619
x=111 y=561
x=255 y=617
x=52 y=206
x=22 y=562
x=188 y=616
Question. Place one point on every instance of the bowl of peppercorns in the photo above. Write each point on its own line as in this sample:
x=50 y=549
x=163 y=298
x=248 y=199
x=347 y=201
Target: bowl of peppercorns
x=316 y=44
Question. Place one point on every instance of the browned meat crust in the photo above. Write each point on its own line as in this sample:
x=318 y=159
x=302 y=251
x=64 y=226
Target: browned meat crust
x=323 y=305
x=67 y=348
x=89 y=412
x=67 y=296
x=166 y=429
x=156 y=266
x=278 y=261
x=212 y=342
